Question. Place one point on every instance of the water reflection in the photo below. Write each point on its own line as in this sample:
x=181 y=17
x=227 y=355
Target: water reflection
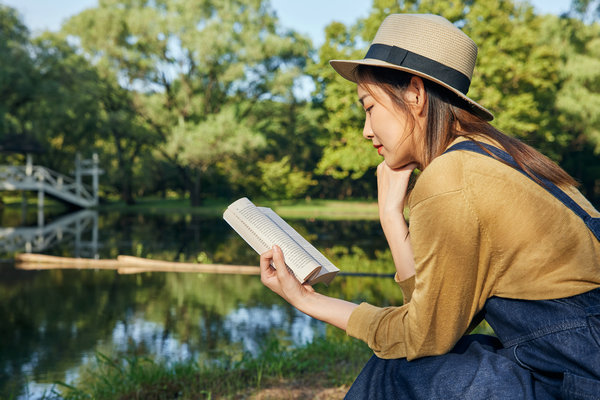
x=250 y=326
x=80 y=229
x=54 y=322
x=126 y=315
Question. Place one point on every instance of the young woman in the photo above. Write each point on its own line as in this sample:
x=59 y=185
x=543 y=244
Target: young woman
x=497 y=231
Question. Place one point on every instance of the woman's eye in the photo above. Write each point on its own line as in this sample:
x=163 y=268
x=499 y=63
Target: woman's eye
x=368 y=109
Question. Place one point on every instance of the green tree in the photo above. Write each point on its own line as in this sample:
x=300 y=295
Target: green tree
x=221 y=135
x=281 y=181
x=124 y=138
x=519 y=76
x=188 y=62
x=64 y=111
x=79 y=108
x=346 y=156
x=292 y=131
x=586 y=9
x=48 y=92
x=577 y=47
x=17 y=77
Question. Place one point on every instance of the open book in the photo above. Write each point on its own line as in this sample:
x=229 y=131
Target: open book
x=262 y=228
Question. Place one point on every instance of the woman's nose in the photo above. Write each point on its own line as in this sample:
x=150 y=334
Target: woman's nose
x=367 y=131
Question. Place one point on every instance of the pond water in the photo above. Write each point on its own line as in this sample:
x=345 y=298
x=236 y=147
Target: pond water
x=55 y=322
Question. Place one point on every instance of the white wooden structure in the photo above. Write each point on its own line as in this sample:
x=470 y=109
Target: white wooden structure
x=47 y=182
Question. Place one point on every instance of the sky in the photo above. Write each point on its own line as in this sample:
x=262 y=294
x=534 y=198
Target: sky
x=305 y=16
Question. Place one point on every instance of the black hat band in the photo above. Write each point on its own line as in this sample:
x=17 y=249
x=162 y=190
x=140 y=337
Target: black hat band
x=408 y=59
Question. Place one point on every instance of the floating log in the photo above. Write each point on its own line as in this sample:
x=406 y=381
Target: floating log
x=132 y=265
x=137 y=265
x=127 y=265
x=35 y=266
x=42 y=261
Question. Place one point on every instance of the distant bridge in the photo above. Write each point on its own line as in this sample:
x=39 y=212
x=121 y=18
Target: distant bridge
x=72 y=227
x=45 y=181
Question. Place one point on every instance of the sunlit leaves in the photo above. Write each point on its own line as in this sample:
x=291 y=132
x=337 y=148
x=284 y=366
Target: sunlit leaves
x=219 y=135
x=280 y=180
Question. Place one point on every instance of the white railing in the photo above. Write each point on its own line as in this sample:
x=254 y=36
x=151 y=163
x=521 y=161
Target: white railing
x=38 y=178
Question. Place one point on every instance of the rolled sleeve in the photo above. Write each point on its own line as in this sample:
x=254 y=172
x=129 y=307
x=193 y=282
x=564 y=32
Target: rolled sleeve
x=407 y=286
x=371 y=325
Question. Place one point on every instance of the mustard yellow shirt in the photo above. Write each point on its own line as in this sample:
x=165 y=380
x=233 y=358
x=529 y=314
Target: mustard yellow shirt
x=478 y=229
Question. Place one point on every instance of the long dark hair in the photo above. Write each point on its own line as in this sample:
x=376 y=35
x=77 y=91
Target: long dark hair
x=444 y=110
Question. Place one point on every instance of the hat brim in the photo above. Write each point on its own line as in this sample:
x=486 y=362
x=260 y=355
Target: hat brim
x=347 y=69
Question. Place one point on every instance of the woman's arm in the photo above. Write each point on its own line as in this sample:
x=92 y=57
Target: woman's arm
x=279 y=279
x=392 y=186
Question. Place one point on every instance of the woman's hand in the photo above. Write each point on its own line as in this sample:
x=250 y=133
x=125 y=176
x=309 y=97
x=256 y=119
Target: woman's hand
x=392 y=185
x=280 y=279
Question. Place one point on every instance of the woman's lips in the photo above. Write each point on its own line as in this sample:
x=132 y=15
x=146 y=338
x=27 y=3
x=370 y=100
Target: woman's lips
x=379 y=148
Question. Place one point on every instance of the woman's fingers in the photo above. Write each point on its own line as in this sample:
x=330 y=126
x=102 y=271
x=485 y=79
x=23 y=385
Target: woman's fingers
x=265 y=259
x=278 y=258
x=273 y=270
x=267 y=273
x=283 y=272
x=281 y=279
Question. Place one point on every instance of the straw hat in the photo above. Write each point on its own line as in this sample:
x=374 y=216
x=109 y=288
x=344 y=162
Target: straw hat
x=425 y=45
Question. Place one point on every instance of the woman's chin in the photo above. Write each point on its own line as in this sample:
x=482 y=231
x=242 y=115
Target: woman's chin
x=401 y=164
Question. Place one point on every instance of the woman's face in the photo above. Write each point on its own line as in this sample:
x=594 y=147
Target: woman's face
x=390 y=129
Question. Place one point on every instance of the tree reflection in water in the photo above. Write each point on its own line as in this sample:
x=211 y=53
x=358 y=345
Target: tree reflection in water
x=53 y=322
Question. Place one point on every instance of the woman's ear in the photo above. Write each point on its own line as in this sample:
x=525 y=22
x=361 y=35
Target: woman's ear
x=416 y=96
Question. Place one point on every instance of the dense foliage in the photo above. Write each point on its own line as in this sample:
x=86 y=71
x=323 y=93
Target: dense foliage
x=209 y=99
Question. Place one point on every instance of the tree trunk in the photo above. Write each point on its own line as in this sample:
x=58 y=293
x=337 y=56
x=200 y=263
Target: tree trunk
x=127 y=187
x=126 y=169
x=195 y=194
x=127 y=195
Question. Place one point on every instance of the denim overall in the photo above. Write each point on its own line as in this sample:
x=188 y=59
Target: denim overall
x=544 y=349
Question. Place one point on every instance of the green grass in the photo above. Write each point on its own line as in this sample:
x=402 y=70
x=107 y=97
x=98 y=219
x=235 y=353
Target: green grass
x=305 y=208
x=322 y=209
x=322 y=364
x=15 y=199
x=327 y=209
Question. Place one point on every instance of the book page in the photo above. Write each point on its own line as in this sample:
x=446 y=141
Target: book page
x=310 y=249
x=262 y=233
x=242 y=229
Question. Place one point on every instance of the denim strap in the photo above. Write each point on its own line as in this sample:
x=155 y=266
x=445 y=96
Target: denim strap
x=592 y=223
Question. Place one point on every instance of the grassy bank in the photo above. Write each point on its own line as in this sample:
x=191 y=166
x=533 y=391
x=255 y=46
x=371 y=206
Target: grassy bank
x=305 y=208
x=323 y=369
x=321 y=209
